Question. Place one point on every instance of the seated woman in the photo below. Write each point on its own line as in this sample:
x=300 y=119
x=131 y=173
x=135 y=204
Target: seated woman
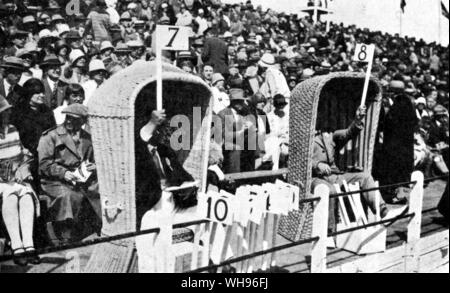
x=63 y=151
x=17 y=199
x=32 y=118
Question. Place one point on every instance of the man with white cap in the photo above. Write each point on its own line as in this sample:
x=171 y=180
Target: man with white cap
x=202 y=22
x=275 y=81
x=97 y=75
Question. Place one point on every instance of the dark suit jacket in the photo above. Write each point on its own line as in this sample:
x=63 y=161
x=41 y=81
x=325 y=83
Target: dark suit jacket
x=148 y=181
x=237 y=157
x=60 y=94
x=325 y=146
x=216 y=52
x=15 y=96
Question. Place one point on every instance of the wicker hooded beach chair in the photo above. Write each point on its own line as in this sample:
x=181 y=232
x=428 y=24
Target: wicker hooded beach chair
x=329 y=101
x=117 y=110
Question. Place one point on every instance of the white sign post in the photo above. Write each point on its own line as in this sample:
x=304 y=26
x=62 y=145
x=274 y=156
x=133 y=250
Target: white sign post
x=170 y=38
x=365 y=53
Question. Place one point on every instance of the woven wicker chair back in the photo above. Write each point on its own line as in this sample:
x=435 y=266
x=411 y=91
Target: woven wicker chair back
x=120 y=105
x=327 y=103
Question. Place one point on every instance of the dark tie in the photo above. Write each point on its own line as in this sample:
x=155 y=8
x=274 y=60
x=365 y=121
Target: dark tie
x=54 y=101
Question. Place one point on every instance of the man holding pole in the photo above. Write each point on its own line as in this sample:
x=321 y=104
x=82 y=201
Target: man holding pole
x=325 y=170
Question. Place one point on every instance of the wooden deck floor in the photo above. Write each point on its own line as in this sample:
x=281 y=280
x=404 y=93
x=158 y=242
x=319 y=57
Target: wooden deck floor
x=294 y=260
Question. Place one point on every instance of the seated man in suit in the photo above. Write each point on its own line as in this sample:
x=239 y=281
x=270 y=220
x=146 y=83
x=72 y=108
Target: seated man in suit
x=325 y=170
x=157 y=171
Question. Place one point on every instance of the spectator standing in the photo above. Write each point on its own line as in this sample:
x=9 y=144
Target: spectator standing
x=275 y=82
x=216 y=53
x=99 y=22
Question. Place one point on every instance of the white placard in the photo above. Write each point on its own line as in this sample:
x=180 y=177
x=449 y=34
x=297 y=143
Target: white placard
x=172 y=38
x=216 y=208
x=364 y=53
x=257 y=203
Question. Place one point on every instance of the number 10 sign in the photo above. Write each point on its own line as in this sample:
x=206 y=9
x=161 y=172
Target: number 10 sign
x=172 y=38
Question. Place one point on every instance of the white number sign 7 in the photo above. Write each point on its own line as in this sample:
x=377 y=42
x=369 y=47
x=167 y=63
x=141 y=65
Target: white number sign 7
x=172 y=38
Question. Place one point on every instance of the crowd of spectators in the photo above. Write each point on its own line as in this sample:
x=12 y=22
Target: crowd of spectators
x=53 y=58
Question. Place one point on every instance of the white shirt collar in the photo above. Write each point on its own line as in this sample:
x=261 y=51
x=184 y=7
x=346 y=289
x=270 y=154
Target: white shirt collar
x=7 y=86
x=51 y=83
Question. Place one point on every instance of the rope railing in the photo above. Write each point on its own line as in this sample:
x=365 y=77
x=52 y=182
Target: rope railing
x=107 y=239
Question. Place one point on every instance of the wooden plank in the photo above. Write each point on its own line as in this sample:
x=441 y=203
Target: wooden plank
x=320 y=229
x=372 y=263
x=433 y=242
x=444 y=269
x=433 y=260
x=256 y=174
x=415 y=225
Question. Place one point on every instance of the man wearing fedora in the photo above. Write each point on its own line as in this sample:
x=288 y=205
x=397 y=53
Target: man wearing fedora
x=9 y=87
x=238 y=134
x=55 y=88
x=17 y=39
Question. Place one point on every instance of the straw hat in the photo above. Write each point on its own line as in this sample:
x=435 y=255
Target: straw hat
x=216 y=78
x=267 y=60
x=28 y=19
x=57 y=17
x=97 y=65
x=13 y=63
x=125 y=16
x=63 y=29
x=237 y=94
x=75 y=55
x=397 y=86
x=106 y=45
x=421 y=100
x=135 y=44
x=122 y=48
x=29 y=48
x=4 y=105
x=18 y=34
x=73 y=35
x=50 y=60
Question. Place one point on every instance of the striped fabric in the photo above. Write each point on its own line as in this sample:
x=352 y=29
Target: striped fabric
x=10 y=153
